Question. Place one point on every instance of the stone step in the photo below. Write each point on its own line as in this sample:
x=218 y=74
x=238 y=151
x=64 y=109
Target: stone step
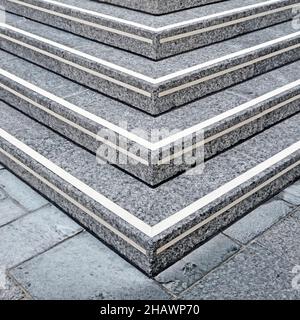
x=151 y=149
x=151 y=227
x=156 y=37
x=154 y=87
x=157 y=7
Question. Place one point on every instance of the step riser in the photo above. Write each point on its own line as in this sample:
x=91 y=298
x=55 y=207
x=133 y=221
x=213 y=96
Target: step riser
x=153 y=261
x=170 y=94
x=159 y=7
x=158 y=45
x=275 y=110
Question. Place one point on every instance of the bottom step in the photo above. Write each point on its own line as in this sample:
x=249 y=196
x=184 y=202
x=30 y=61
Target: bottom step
x=151 y=227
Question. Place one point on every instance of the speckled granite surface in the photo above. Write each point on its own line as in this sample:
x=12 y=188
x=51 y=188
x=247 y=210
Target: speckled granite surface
x=153 y=232
x=158 y=6
x=153 y=87
x=156 y=37
x=219 y=134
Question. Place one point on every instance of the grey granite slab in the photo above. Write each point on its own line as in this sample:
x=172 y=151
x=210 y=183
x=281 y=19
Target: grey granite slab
x=156 y=37
x=9 y=211
x=283 y=239
x=254 y=274
x=219 y=134
x=184 y=273
x=21 y=192
x=292 y=194
x=98 y=274
x=259 y=220
x=146 y=232
x=33 y=234
x=154 y=87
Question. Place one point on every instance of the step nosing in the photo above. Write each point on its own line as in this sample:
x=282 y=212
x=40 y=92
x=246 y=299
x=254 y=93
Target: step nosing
x=151 y=231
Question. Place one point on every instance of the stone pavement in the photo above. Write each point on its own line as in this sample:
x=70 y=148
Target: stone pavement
x=46 y=255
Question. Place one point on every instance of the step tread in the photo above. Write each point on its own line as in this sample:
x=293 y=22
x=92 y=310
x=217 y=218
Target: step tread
x=152 y=227
x=116 y=112
x=223 y=119
x=156 y=37
x=151 y=205
x=143 y=20
x=170 y=68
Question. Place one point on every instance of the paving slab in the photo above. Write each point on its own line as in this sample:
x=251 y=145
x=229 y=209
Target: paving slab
x=156 y=37
x=33 y=234
x=153 y=87
x=194 y=266
x=292 y=194
x=259 y=220
x=10 y=210
x=84 y=268
x=21 y=192
x=283 y=239
x=254 y=274
x=152 y=227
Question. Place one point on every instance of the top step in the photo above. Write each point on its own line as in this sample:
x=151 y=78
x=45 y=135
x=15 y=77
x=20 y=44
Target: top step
x=155 y=37
x=158 y=7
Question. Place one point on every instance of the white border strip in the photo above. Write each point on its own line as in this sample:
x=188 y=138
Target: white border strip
x=130 y=218
x=133 y=137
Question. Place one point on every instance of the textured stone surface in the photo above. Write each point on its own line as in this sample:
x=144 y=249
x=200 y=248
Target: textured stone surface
x=100 y=106
x=98 y=274
x=153 y=36
x=9 y=211
x=21 y=192
x=33 y=234
x=292 y=194
x=258 y=220
x=159 y=6
x=155 y=98
x=152 y=205
x=283 y=239
x=255 y=273
x=11 y=291
x=194 y=266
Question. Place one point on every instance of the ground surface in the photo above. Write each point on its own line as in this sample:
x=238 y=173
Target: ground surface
x=45 y=255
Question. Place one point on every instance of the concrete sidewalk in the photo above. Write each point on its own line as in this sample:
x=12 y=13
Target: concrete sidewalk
x=45 y=255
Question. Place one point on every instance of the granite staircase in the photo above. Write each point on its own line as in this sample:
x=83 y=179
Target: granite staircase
x=155 y=124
